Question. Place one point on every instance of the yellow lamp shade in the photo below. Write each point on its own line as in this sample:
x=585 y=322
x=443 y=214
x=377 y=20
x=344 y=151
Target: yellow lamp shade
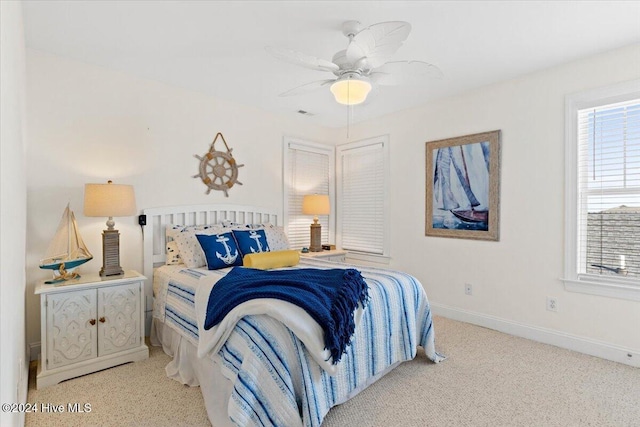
x=316 y=204
x=109 y=200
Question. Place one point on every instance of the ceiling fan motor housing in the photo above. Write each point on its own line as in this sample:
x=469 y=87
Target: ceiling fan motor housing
x=340 y=59
x=351 y=28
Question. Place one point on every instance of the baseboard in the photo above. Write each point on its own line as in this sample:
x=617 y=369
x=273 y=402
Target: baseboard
x=580 y=344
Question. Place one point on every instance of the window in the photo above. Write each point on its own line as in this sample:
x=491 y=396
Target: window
x=603 y=191
x=362 y=198
x=309 y=168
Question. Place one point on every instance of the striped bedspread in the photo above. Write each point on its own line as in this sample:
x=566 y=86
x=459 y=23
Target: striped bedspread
x=276 y=381
x=174 y=288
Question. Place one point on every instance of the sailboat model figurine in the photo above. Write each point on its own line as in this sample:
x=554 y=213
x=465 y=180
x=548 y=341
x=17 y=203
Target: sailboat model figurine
x=66 y=251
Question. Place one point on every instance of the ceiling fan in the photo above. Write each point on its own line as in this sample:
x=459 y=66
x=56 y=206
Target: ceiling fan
x=363 y=64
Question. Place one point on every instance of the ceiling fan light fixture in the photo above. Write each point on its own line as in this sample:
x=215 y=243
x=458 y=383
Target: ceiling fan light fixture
x=350 y=90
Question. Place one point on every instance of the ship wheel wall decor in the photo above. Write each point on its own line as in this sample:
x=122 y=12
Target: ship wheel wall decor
x=218 y=169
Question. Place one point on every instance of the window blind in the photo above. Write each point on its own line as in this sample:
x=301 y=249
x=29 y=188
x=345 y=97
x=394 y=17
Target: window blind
x=309 y=170
x=362 y=198
x=609 y=190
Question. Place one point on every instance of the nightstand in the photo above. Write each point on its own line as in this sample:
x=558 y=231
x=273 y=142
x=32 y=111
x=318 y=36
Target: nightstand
x=337 y=255
x=89 y=324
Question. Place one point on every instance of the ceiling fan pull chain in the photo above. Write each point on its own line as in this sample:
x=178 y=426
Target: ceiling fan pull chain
x=349 y=119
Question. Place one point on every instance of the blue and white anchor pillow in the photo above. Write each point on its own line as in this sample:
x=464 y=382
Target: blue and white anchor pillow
x=220 y=250
x=189 y=248
x=251 y=241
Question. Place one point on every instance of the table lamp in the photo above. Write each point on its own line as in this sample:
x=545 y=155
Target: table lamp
x=109 y=200
x=316 y=204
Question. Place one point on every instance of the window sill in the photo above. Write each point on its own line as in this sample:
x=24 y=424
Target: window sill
x=626 y=291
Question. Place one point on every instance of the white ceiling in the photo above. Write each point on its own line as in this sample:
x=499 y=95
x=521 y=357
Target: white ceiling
x=217 y=48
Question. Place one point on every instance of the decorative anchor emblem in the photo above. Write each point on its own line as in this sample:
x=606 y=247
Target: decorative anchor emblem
x=228 y=258
x=255 y=236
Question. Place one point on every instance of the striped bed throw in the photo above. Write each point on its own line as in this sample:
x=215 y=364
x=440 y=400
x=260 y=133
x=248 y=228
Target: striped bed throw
x=174 y=302
x=276 y=382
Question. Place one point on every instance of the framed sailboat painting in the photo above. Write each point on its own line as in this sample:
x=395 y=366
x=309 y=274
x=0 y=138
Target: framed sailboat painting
x=463 y=187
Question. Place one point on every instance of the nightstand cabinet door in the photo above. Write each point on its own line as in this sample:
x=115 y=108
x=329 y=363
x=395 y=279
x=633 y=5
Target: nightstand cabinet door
x=72 y=336
x=118 y=318
x=90 y=323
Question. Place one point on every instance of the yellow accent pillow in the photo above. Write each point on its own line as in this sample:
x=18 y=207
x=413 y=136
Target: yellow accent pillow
x=268 y=260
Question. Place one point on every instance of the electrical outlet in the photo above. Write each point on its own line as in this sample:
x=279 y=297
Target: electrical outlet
x=552 y=304
x=468 y=289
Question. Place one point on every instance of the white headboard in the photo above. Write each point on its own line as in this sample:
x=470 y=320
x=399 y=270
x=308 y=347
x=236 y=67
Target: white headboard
x=158 y=218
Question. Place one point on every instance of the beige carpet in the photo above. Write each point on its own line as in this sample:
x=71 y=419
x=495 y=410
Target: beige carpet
x=489 y=379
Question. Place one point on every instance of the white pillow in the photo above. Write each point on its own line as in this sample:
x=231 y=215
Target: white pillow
x=230 y=225
x=190 y=251
x=171 y=231
x=173 y=253
x=276 y=237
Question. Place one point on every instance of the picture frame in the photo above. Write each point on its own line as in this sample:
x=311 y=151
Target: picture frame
x=463 y=187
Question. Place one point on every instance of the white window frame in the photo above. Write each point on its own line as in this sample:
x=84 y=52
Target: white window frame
x=385 y=258
x=315 y=147
x=624 y=288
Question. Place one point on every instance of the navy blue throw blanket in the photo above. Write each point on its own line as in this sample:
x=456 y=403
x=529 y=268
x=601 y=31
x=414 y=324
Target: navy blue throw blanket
x=329 y=296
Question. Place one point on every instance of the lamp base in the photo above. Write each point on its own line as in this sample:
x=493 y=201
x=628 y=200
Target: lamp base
x=315 y=244
x=110 y=253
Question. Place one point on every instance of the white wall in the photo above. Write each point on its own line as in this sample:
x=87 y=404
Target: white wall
x=88 y=124
x=13 y=358
x=511 y=278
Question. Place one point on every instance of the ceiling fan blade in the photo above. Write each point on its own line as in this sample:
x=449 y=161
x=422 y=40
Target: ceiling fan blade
x=380 y=78
x=378 y=42
x=308 y=87
x=301 y=59
x=400 y=72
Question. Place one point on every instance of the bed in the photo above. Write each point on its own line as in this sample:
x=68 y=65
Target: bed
x=270 y=368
